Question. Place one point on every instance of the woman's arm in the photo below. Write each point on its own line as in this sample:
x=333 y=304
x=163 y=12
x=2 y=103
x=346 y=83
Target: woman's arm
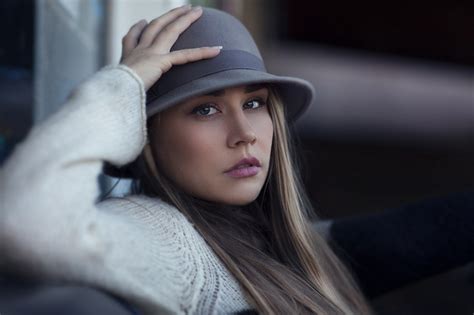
x=50 y=224
x=48 y=186
x=398 y=246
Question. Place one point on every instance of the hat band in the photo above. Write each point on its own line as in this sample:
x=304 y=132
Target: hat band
x=182 y=74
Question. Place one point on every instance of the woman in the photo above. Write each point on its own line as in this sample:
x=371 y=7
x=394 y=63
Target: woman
x=218 y=222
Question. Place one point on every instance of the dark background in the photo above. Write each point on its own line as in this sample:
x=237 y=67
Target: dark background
x=16 y=72
x=347 y=176
x=434 y=30
x=16 y=31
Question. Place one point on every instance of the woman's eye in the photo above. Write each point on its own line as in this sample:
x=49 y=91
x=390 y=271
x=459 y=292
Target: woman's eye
x=205 y=110
x=255 y=103
x=208 y=110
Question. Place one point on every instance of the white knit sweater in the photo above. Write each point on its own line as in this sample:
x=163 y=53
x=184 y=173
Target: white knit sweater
x=139 y=248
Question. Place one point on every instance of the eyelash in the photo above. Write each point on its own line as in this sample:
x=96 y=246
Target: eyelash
x=196 y=109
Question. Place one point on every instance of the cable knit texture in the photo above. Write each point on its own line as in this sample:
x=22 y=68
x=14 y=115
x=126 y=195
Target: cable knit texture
x=137 y=247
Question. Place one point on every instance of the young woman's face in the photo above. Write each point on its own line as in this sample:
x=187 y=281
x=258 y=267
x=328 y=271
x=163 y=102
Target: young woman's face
x=198 y=142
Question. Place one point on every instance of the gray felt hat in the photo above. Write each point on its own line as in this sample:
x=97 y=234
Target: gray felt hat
x=238 y=63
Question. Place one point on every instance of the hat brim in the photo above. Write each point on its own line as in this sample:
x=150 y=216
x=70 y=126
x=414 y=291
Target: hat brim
x=297 y=95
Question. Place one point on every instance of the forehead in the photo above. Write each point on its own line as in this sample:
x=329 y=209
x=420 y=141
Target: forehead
x=249 y=88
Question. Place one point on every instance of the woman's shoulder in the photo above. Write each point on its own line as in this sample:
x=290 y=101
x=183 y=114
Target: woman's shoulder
x=147 y=209
x=136 y=200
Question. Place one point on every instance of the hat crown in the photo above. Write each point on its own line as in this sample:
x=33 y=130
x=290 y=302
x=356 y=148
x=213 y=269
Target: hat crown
x=217 y=28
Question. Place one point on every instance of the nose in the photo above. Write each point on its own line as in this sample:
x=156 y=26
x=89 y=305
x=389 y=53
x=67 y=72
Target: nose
x=240 y=131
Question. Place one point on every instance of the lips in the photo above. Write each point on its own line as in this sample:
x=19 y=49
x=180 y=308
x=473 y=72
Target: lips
x=245 y=163
x=247 y=167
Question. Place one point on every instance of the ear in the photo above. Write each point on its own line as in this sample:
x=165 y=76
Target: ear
x=149 y=159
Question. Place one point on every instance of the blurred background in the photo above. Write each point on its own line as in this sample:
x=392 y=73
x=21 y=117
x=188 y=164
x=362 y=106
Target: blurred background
x=393 y=121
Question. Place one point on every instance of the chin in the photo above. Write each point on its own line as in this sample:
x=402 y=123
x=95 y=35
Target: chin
x=235 y=195
x=247 y=196
x=240 y=199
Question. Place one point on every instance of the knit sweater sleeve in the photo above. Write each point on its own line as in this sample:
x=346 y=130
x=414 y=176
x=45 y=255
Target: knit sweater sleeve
x=50 y=224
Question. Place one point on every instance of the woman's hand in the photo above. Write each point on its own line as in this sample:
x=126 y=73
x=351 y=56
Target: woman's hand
x=146 y=46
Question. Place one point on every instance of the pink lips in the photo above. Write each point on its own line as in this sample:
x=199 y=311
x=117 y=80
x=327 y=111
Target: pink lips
x=245 y=168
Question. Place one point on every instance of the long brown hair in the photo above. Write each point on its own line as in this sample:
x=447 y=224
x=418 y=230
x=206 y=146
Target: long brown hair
x=282 y=264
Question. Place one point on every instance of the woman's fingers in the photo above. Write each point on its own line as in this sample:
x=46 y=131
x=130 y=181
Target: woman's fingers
x=146 y=47
x=183 y=56
x=156 y=25
x=130 y=40
x=170 y=33
x=150 y=68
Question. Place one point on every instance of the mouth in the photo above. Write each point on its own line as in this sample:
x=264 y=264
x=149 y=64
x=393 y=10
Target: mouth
x=245 y=168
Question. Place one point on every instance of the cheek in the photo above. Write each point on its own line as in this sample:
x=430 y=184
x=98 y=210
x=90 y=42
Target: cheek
x=263 y=127
x=188 y=152
x=194 y=147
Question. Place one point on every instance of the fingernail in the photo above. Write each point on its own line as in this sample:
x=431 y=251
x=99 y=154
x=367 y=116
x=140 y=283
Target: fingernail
x=197 y=8
x=218 y=47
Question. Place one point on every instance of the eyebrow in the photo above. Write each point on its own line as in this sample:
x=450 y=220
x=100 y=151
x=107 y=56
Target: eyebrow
x=248 y=89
